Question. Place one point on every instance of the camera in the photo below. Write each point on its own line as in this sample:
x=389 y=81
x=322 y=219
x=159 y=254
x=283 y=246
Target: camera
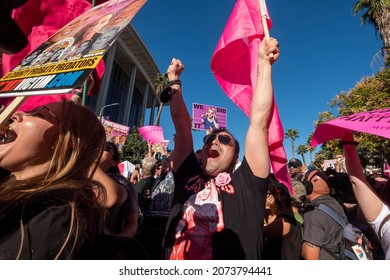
x=303 y=204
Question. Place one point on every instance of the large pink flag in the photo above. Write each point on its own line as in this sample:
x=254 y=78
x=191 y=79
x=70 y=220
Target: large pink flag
x=234 y=65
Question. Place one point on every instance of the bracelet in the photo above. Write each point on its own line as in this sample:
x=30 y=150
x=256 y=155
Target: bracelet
x=174 y=82
x=346 y=143
x=167 y=92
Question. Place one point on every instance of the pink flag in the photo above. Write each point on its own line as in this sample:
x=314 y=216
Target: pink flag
x=234 y=66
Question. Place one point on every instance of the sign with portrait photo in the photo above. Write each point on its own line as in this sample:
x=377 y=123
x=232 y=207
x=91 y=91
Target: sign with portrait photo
x=208 y=117
x=65 y=60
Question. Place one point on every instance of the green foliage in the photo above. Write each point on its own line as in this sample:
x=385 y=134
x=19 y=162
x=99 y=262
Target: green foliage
x=301 y=150
x=292 y=134
x=370 y=93
x=376 y=13
x=159 y=84
x=135 y=147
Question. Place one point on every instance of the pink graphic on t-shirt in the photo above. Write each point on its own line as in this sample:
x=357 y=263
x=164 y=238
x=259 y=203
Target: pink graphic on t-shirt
x=202 y=216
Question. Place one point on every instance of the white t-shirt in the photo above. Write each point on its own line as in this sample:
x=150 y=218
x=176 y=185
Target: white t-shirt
x=385 y=230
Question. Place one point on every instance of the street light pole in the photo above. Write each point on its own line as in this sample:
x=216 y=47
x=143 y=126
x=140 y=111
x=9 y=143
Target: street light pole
x=104 y=107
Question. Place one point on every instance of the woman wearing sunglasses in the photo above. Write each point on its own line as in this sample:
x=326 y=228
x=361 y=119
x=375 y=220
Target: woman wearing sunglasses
x=49 y=205
x=235 y=232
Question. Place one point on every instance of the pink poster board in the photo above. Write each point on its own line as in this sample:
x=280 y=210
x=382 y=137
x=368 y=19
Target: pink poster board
x=152 y=133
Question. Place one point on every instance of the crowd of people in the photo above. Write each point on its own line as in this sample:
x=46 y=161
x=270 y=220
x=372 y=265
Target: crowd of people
x=64 y=197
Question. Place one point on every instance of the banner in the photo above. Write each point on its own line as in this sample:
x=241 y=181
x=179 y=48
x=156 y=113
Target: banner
x=208 y=117
x=65 y=60
x=375 y=122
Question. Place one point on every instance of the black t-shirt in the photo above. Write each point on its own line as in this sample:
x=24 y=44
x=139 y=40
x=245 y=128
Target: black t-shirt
x=286 y=247
x=115 y=220
x=46 y=226
x=243 y=212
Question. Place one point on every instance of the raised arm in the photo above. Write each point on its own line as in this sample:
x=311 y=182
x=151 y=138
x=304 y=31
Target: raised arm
x=256 y=143
x=180 y=116
x=369 y=202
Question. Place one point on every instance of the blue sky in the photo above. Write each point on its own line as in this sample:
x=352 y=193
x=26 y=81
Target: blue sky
x=324 y=51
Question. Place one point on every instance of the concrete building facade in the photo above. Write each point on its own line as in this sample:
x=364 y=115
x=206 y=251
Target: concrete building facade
x=129 y=80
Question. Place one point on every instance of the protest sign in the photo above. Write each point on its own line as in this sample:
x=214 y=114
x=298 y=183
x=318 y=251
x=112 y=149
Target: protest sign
x=117 y=128
x=206 y=117
x=152 y=133
x=65 y=60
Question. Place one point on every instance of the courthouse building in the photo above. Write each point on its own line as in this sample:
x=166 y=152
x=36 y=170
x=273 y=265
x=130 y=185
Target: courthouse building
x=129 y=80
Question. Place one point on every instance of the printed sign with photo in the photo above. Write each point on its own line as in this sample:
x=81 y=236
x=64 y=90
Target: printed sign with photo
x=65 y=60
x=208 y=117
x=116 y=132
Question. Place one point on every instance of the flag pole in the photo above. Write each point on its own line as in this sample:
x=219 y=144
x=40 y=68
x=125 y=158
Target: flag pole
x=264 y=17
x=11 y=109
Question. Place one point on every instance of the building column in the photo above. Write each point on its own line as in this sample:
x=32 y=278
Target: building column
x=144 y=102
x=105 y=83
x=152 y=110
x=126 y=116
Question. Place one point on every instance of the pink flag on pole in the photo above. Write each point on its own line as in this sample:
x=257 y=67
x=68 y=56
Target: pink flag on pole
x=234 y=64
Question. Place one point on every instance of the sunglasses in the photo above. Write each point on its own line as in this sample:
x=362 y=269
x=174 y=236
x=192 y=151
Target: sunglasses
x=44 y=113
x=222 y=138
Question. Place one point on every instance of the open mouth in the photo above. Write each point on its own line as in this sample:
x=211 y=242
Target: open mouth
x=213 y=153
x=9 y=137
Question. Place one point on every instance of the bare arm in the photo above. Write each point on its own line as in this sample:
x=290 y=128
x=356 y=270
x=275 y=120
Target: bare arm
x=256 y=143
x=134 y=175
x=114 y=193
x=180 y=117
x=310 y=251
x=369 y=203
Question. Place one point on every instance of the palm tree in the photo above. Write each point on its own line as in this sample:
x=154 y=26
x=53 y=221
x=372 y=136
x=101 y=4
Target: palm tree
x=377 y=13
x=301 y=150
x=159 y=84
x=292 y=134
x=311 y=149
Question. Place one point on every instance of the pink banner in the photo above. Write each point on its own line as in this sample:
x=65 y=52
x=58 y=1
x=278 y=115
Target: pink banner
x=375 y=122
x=152 y=133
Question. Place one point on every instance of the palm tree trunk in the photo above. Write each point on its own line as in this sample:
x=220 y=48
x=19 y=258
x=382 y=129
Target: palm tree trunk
x=157 y=121
x=292 y=148
x=303 y=159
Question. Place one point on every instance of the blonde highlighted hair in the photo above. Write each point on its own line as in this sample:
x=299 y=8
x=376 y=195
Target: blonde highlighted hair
x=80 y=143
